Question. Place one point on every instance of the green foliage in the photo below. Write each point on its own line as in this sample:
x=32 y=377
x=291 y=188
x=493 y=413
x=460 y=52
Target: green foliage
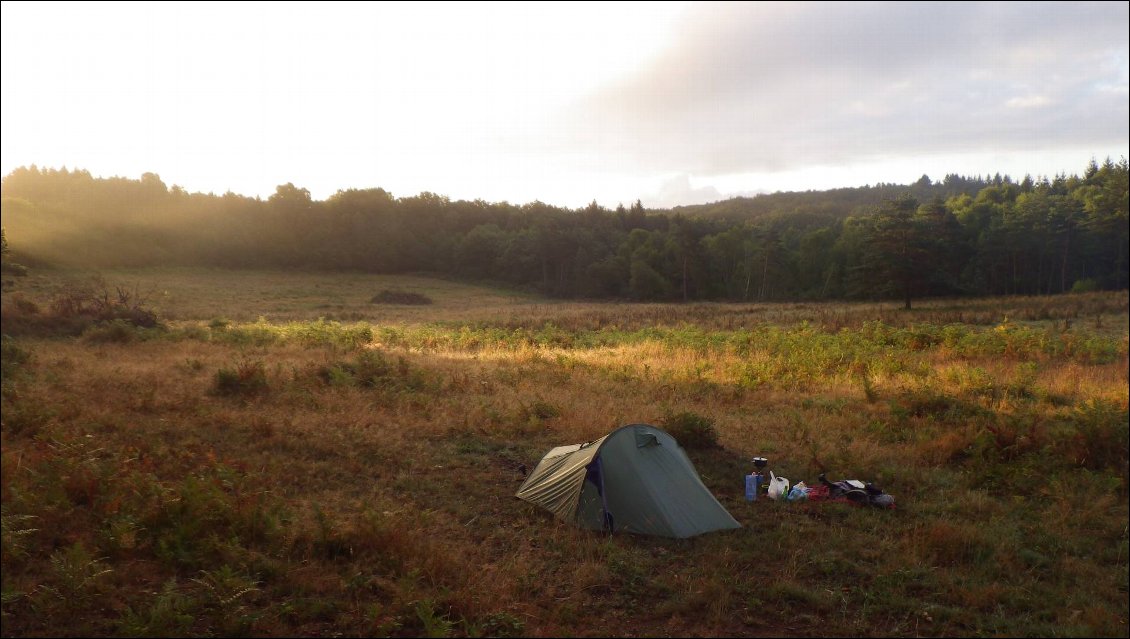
x=1086 y=285
x=113 y=332
x=935 y=405
x=691 y=430
x=542 y=409
x=372 y=369
x=12 y=357
x=434 y=623
x=224 y=590
x=14 y=533
x=171 y=613
x=1103 y=439
x=246 y=379
x=969 y=235
x=75 y=575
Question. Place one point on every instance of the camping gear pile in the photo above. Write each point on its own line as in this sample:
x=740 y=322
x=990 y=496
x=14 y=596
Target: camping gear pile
x=851 y=491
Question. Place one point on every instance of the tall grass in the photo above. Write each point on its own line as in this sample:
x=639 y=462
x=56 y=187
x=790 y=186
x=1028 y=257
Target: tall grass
x=306 y=475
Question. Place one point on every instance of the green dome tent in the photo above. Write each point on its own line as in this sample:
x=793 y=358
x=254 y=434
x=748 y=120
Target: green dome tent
x=635 y=479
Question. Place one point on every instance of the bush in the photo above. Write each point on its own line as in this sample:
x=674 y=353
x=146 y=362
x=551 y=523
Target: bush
x=11 y=356
x=401 y=297
x=246 y=379
x=691 y=430
x=371 y=369
x=1085 y=286
x=113 y=332
x=94 y=299
x=1102 y=439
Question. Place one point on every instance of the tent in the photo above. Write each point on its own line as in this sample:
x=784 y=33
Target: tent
x=635 y=479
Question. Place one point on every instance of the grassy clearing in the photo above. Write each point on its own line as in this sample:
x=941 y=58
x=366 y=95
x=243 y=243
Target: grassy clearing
x=312 y=473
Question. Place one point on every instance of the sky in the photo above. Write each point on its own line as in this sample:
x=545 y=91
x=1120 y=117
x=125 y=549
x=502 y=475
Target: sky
x=565 y=103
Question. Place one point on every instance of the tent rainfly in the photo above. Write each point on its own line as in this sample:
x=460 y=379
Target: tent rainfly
x=635 y=479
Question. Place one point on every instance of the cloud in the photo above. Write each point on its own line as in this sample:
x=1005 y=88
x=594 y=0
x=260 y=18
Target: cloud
x=773 y=87
x=678 y=191
x=1027 y=102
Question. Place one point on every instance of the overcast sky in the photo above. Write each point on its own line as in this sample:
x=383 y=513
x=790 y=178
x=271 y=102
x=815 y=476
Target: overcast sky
x=670 y=103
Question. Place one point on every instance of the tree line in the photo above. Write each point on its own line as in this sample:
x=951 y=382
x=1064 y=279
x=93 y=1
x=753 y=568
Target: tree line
x=958 y=236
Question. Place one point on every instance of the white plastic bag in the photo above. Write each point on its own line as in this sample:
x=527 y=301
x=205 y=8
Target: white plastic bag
x=778 y=486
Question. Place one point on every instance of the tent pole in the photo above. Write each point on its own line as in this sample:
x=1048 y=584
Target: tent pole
x=606 y=517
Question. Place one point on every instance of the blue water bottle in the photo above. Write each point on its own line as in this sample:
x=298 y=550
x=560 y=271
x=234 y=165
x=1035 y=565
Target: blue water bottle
x=752 y=483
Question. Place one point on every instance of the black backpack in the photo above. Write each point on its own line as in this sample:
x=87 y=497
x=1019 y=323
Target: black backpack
x=862 y=493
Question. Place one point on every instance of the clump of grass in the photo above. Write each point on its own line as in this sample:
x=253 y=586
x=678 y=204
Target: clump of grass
x=542 y=409
x=935 y=405
x=868 y=387
x=396 y=296
x=14 y=531
x=75 y=576
x=691 y=430
x=1102 y=438
x=170 y=613
x=246 y=379
x=113 y=332
x=372 y=369
x=12 y=357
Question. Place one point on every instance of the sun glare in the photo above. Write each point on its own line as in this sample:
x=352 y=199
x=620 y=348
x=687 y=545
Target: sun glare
x=222 y=97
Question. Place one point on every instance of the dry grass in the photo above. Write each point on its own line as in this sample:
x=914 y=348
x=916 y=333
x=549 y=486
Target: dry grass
x=366 y=486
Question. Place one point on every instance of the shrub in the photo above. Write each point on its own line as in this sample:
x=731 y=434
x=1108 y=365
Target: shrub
x=247 y=378
x=691 y=430
x=1084 y=286
x=939 y=406
x=113 y=332
x=1102 y=439
x=11 y=356
x=371 y=369
x=543 y=410
x=95 y=301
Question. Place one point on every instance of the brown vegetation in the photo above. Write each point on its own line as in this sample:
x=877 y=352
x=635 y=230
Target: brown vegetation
x=301 y=476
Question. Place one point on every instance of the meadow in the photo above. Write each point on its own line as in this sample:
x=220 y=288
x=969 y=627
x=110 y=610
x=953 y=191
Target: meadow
x=277 y=454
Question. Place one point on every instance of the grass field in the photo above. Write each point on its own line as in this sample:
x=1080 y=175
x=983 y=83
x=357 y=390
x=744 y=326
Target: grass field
x=281 y=456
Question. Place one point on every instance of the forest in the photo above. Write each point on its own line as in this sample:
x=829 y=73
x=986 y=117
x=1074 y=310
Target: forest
x=961 y=236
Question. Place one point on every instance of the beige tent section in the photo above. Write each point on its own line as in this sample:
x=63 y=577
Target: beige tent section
x=636 y=479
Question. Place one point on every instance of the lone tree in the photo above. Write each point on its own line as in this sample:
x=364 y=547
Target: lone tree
x=897 y=255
